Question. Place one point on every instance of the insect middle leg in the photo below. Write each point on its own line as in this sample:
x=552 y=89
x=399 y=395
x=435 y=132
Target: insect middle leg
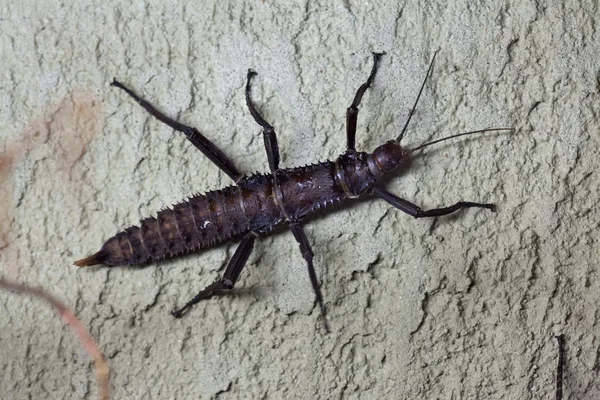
x=352 y=111
x=270 y=139
x=269 y=135
x=415 y=211
x=308 y=255
x=231 y=275
x=208 y=148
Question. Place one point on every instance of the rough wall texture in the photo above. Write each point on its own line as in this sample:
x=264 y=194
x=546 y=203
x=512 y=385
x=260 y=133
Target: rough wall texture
x=462 y=307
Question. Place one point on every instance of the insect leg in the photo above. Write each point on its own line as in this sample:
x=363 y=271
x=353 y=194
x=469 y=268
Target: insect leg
x=232 y=273
x=269 y=135
x=415 y=211
x=560 y=367
x=208 y=148
x=308 y=255
x=352 y=111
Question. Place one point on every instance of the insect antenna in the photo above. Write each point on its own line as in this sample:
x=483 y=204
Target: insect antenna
x=412 y=111
x=457 y=135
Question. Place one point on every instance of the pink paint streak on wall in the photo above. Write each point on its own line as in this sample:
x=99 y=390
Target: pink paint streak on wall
x=58 y=140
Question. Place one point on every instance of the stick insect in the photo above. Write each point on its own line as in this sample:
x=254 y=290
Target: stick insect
x=255 y=204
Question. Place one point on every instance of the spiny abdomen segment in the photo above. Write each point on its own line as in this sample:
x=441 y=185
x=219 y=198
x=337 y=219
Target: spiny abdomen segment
x=200 y=222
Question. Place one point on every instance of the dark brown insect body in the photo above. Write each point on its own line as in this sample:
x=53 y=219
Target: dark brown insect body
x=256 y=204
x=251 y=205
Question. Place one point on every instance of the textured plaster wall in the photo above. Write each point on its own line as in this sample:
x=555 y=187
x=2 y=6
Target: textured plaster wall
x=464 y=306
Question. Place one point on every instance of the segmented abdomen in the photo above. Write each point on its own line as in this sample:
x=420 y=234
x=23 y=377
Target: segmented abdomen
x=202 y=221
x=255 y=204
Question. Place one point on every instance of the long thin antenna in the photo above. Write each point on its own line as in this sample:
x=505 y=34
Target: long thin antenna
x=418 y=97
x=458 y=135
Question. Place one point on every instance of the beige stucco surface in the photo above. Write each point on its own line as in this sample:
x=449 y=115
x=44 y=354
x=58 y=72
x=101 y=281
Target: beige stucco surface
x=462 y=307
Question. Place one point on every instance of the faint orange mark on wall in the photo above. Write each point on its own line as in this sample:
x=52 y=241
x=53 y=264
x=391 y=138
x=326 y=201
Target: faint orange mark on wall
x=64 y=130
x=71 y=128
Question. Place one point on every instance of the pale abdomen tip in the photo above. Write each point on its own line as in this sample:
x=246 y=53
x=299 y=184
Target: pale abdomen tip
x=94 y=259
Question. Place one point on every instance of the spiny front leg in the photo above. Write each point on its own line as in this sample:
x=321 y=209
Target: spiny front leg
x=269 y=135
x=230 y=277
x=308 y=255
x=352 y=111
x=208 y=148
x=415 y=211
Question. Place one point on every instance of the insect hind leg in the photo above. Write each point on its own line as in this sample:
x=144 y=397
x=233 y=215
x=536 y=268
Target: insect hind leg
x=208 y=148
x=231 y=275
